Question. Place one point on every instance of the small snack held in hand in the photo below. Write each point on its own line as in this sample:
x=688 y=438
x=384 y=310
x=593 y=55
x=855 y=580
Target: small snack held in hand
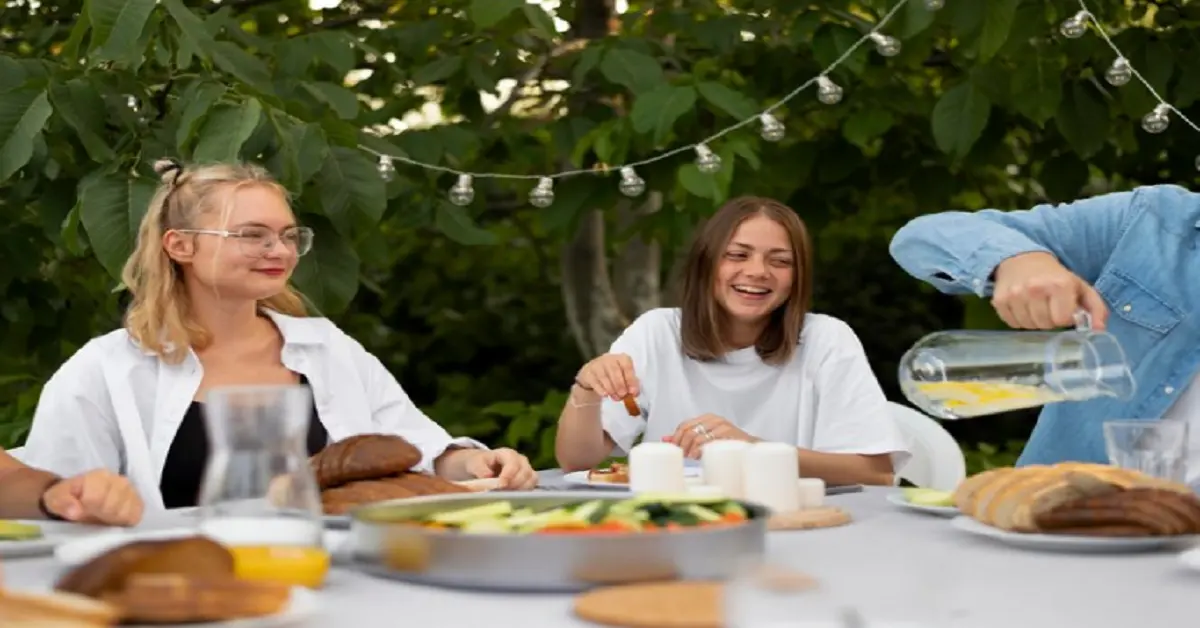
x=631 y=406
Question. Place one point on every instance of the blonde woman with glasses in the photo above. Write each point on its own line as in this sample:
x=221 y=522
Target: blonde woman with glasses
x=212 y=307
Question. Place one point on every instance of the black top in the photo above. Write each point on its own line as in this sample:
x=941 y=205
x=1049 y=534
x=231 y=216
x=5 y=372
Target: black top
x=184 y=468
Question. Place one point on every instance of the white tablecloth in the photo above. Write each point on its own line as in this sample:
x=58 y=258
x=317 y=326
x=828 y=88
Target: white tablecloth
x=893 y=562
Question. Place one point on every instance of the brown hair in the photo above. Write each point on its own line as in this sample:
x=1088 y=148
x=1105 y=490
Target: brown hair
x=704 y=324
x=158 y=318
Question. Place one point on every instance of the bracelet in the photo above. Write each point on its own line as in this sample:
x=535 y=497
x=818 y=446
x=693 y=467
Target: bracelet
x=42 y=502
x=587 y=388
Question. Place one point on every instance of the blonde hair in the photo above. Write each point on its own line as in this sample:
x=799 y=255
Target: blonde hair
x=159 y=318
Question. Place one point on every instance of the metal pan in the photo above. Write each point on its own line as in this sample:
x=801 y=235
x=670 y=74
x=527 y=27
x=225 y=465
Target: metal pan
x=535 y=562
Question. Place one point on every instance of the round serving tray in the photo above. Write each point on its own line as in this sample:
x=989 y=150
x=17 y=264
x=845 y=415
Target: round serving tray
x=537 y=562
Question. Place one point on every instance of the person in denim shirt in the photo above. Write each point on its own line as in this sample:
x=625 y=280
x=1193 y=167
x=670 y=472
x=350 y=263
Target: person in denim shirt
x=1131 y=259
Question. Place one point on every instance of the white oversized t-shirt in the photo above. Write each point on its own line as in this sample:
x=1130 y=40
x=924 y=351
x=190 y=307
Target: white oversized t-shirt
x=825 y=398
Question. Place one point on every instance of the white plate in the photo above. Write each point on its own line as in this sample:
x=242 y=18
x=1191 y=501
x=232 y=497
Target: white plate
x=302 y=605
x=1070 y=543
x=78 y=551
x=691 y=471
x=941 y=511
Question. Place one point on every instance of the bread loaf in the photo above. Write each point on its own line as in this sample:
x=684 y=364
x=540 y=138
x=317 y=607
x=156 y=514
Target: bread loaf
x=1079 y=498
x=363 y=457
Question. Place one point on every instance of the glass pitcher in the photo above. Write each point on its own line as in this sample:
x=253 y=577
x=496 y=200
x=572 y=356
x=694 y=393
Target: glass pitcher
x=259 y=495
x=964 y=374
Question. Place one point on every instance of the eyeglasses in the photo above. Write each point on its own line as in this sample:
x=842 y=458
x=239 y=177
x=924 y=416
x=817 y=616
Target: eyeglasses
x=259 y=241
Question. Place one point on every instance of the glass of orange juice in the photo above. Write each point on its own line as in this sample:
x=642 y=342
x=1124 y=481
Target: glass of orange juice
x=259 y=496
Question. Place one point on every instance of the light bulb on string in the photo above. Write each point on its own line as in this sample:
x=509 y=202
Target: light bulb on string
x=828 y=92
x=707 y=161
x=934 y=5
x=1157 y=120
x=387 y=169
x=631 y=184
x=462 y=193
x=543 y=193
x=885 y=45
x=1075 y=26
x=1119 y=72
x=772 y=129
x=131 y=101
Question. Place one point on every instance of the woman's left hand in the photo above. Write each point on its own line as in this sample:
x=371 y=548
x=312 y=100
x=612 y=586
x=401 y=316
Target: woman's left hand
x=692 y=435
x=509 y=467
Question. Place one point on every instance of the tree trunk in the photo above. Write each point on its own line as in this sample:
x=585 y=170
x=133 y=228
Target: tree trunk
x=599 y=308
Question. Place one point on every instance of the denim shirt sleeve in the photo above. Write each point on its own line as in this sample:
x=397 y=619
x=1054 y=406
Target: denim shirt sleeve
x=957 y=251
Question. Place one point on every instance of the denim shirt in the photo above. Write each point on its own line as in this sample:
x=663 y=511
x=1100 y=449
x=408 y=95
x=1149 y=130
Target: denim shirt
x=1138 y=249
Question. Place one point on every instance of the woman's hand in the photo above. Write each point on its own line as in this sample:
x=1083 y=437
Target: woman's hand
x=510 y=468
x=694 y=434
x=610 y=375
x=99 y=496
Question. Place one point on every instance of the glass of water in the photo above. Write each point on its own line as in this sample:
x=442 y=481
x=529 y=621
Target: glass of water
x=1156 y=448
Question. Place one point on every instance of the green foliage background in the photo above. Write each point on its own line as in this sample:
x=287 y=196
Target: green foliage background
x=987 y=106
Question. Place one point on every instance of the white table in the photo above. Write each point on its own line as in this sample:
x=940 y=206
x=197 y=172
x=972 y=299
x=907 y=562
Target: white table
x=896 y=560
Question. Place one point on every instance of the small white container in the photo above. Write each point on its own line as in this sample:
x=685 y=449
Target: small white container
x=656 y=468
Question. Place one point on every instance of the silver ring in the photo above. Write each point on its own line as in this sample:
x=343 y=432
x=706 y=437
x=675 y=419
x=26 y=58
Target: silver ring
x=708 y=435
x=700 y=430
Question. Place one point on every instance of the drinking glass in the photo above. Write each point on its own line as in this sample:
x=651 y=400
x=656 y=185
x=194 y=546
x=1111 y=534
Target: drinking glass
x=1156 y=448
x=259 y=495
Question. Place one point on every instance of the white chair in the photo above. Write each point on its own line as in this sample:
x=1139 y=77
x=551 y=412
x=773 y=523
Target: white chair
x=937 y=461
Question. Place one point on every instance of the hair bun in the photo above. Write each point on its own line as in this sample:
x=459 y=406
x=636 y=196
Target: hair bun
x=168 y=169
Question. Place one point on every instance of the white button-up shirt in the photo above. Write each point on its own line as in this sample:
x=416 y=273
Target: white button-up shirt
x=116 y=406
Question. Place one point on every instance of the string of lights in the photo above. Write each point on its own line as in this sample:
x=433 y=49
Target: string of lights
x=1158 y=119
x=462 y=193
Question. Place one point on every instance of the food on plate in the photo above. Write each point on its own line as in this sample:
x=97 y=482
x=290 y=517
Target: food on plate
x=342 y=499
x=928 y=497
x=28 y=609
x=185 y=580
x=631 y=406
x=19 y=531
x=371 y=468
x=616 y=473
x=970 y=399
x=363 y=457
x=1079 y=498
x=644 y=513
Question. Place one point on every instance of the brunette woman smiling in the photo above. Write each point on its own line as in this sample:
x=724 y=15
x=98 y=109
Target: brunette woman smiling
x=212 y=307
x=742 y=359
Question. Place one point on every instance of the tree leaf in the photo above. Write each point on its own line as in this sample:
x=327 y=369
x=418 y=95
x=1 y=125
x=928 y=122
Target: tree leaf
x=997 y=24
x=636 y=71
x=225 y=130
x=659 y=109
x=488 y=13
x=698 y=183
x=23 y=113
x=328 y=275
x=541 y=22
x=959 y=118
x=199 y=102
x=454 y=221
x=1036 y=89
x=864 y=125
x=335 y=49
x=80 y=105
x=913 y=20
x=350 y=183
x=1083 y=119
x=727 y=99
x=343 y=101
x=833 y=40
x=966 y=17
x=110 y=207
x=117 y=28
x=241 y=64
x=437 y=70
